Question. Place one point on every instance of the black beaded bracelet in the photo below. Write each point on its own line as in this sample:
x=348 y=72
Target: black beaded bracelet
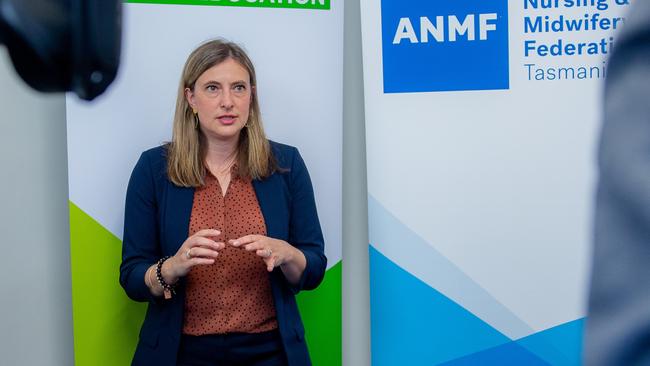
x=168 y=289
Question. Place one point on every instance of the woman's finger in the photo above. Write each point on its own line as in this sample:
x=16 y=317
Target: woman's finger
x=270 y=263
x=201 y=252
x=205 y=242
x=207 y=232
x=255 y=246
x=197 y=261
x=264 y=252
x=245 y=240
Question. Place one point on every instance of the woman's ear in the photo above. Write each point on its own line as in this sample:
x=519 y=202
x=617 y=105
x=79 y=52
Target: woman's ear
x=189 y=96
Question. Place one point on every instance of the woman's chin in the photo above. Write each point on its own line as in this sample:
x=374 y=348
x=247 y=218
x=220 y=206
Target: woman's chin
x=223 y=133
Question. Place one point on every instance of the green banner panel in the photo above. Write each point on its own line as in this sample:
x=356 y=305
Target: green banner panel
x=106 y=322
x=321 y=313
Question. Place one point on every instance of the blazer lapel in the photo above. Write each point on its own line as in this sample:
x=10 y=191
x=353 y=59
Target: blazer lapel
x=178 y=209
x=273 y=200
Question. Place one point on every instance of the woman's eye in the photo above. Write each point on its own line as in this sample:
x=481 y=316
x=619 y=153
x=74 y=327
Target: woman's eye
x=212 y=88
x=240 y=88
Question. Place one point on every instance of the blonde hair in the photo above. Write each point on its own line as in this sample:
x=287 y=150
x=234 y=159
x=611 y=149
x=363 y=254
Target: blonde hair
x=186 y=151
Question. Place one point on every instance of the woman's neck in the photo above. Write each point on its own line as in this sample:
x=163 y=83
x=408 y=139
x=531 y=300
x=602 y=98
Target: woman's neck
x=221 y=154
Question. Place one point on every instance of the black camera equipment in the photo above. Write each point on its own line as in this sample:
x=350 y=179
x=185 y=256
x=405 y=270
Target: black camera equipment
x=63 y=45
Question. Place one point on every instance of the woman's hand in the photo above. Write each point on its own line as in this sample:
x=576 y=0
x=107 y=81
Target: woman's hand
x=275 y=253
x=198 y=249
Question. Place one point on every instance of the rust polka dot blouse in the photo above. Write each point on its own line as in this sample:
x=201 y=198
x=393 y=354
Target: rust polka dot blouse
x=234 y=293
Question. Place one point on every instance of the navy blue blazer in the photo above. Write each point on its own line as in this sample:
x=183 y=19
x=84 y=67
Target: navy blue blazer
x=156 y=223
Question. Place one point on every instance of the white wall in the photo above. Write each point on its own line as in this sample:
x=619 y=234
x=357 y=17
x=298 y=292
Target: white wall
x=35 y=311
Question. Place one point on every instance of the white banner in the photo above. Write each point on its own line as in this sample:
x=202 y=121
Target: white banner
x=481 y=119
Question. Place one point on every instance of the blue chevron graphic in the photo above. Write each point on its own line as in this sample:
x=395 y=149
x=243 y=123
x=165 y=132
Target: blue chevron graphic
x=414 y=324
x=509 y=354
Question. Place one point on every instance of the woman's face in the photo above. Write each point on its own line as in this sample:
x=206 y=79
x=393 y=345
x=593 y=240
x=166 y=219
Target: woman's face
x=222 y=97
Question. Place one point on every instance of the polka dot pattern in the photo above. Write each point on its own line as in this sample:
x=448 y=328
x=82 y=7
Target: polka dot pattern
x=234 y=293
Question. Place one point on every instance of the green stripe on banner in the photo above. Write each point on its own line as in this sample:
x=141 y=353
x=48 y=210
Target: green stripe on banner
x=321 y=313
x=293 y=4
x=107 y=322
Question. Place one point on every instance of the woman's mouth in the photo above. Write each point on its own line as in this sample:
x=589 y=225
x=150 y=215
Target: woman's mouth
x=227 y=119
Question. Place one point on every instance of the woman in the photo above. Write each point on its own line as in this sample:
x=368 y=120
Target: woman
x=221 y=229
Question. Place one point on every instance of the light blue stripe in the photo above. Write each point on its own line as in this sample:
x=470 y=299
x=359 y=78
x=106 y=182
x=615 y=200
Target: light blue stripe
x=411 y=252
x=413 y=324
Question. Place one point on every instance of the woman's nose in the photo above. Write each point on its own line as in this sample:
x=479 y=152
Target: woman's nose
x=226 y=99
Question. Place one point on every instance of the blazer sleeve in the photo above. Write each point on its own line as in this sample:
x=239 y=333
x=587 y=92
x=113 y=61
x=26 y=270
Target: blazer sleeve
x=304 y=227
x=140 y=245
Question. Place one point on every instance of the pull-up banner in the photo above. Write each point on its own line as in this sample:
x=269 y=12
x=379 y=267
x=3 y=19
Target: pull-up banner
x=481 y=122
x=296 y=47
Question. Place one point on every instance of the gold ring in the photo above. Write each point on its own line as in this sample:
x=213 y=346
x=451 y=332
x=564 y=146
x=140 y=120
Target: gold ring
x=188 y=254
